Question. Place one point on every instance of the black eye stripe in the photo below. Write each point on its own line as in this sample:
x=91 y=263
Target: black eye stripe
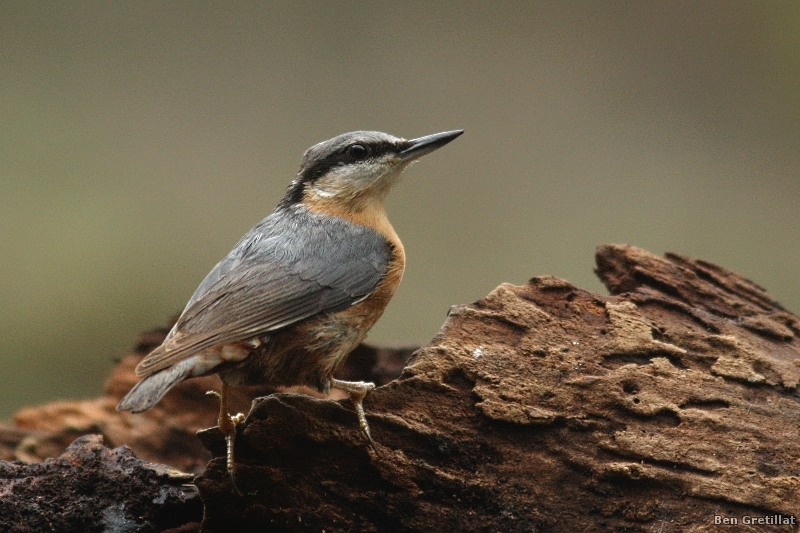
x=315 y=169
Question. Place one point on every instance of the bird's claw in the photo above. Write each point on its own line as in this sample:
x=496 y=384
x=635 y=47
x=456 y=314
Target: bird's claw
x=358 y=391
x=227 y=426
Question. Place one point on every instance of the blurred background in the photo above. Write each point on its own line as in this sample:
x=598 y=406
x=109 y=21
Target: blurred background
x=140 y=140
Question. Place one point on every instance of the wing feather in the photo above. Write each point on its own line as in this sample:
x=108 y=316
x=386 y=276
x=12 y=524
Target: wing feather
x=290 y=267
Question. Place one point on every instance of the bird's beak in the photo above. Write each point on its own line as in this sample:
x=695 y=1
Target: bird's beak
x=416 y=148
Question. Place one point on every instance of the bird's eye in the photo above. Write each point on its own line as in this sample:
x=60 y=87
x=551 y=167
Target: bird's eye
x=357 y=152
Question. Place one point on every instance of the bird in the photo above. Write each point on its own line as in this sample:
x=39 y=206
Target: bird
x=301 y=289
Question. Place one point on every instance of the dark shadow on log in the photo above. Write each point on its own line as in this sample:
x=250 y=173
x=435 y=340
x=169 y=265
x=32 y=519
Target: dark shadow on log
x=91 y=488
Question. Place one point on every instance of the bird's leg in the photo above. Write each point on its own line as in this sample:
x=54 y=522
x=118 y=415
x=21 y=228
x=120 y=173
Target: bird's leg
x=227 y=426
x=357 y=390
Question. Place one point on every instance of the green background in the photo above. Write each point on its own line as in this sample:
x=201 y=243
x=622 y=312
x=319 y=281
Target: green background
x=140 y=140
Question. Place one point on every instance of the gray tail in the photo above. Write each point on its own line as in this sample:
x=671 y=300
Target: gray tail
x=152 y=388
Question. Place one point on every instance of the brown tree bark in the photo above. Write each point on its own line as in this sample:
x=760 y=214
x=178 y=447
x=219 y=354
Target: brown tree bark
x=671 y=405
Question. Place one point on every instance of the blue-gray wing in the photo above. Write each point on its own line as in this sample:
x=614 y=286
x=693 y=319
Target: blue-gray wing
x=291 y=266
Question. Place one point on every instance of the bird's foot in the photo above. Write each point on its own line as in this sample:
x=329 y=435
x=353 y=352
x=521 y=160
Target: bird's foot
x=230 y=434
x=357 y=391
x=227 y=426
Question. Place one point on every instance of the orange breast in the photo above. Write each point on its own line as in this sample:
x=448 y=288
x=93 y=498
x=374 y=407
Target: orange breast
x=372 y=214
x=363 y=315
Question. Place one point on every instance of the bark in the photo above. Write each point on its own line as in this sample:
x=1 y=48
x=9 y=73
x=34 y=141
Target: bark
x=541 y=407
x=91 y=488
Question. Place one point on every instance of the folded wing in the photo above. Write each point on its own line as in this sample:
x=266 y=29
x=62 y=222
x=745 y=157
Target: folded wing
x=281 y=272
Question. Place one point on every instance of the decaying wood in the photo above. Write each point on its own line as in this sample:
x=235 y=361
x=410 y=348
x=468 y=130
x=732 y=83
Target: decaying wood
x=91 y=488
x=538 y=408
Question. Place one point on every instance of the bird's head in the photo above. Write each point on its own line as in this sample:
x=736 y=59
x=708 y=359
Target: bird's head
x=357 y=169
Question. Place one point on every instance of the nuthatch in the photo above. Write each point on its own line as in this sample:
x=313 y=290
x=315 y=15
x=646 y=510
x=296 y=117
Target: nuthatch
x=301 y=289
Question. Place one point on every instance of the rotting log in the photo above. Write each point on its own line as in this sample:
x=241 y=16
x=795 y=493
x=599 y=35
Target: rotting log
x=538 y=408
